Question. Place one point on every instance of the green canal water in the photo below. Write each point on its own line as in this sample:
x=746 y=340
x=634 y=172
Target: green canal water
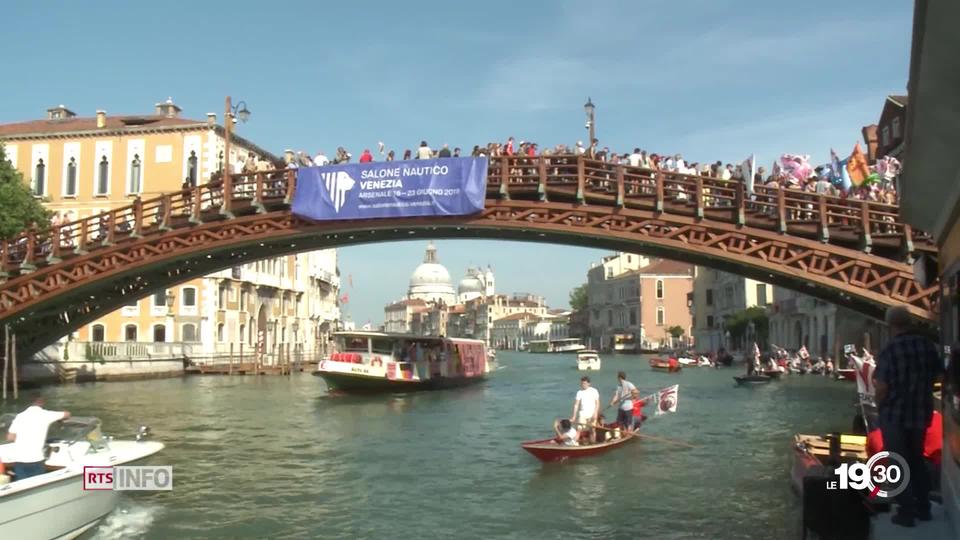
x=276 y=457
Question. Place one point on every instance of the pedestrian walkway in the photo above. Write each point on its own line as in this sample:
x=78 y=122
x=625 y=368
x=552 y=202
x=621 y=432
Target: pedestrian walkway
x=937 y=528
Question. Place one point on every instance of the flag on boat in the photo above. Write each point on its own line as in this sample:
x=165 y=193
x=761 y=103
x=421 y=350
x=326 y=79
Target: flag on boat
x=802 y=353
x=756 y=351
x=865 y=366
x=857 y=166
x=666 y=400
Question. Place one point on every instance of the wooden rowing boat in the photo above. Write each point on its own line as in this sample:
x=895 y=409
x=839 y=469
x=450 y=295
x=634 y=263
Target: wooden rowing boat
x=665 y=365
x=747 y=380
x=549 y=450
x=773 y=373
x=811 y=453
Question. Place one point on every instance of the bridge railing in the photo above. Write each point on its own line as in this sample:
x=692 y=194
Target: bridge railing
x=586 y=180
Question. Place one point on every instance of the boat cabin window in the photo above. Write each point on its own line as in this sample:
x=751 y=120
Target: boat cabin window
x=354 y=344
x=383 y=345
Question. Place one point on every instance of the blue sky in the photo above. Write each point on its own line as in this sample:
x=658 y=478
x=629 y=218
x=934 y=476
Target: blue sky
x=711 y=79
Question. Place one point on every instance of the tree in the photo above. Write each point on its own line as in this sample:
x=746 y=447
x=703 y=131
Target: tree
x=578 y=298
x=20 y=208
x=739 y=322
x=675 y=331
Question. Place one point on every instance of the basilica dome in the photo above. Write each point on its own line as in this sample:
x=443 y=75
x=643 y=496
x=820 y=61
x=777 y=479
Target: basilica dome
x=431 y=281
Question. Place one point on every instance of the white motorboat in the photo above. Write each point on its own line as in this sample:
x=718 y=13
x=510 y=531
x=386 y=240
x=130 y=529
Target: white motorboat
x=54 y=504
x=588 y=360
x=687 y=361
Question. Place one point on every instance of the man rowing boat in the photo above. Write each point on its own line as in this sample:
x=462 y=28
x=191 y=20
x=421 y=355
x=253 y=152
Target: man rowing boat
x=624 y=396
x=586 y=408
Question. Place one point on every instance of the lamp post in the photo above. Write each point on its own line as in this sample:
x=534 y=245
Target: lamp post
x=241 y=112
x=589 y=108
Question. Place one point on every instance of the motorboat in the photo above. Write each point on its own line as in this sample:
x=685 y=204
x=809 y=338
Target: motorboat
x=687 y=361
x=377 y=362
x=588 y=360
x=55 y=504
x=670 y=365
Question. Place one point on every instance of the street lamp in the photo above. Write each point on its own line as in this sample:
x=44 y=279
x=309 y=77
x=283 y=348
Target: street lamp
x=589 y=108
x=241 y=112
x=170 y=299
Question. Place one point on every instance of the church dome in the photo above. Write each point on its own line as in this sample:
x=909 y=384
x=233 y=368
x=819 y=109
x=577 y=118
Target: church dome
x=431 y=280
x=470 y=284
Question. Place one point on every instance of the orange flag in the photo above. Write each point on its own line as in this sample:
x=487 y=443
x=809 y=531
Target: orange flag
x=857 y=166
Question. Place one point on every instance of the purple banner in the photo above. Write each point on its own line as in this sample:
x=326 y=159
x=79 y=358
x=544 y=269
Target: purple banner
x=429 y=187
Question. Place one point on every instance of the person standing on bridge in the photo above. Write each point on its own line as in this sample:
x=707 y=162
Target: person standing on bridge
x=424 y=152
x=444 y=152
x=907 y=369
x=28 y=432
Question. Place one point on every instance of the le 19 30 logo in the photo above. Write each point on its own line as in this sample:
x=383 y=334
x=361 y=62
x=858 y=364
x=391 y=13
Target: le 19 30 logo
x=884 y=475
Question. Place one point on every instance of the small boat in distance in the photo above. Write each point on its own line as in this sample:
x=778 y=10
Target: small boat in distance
x=670 y=365
x=375 y=362
x=55 y=504
x=588 y=360
x=567 y=345
x=749 y=380
x=549 y=450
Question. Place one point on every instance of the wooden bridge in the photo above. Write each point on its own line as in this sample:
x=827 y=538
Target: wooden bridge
x=849 y=252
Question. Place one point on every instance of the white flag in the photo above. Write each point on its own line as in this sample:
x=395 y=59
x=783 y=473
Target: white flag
x=749 y=168
x=666 y=400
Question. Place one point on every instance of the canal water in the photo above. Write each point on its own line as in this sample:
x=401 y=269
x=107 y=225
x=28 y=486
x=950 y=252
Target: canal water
x=276 y=457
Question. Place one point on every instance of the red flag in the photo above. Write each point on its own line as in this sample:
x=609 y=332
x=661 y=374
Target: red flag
x=857 y=166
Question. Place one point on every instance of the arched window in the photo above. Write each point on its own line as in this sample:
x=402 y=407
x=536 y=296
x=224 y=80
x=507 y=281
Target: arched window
x=135 y=167
x=220 y=332
x=96 y=332
x=71 y=187
x=659 y=289
x=39 y=178
x=188 y=333
x=192 y=168
x=159 y=333
x=103 y=176
x=660 y=316
x=130 y=332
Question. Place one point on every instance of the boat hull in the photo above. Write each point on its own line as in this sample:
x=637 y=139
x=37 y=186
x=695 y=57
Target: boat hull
x=360 y=384
x=752 y=380
x=847 y=375
x=548 y=451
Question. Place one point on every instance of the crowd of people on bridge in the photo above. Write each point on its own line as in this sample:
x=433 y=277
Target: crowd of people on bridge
x=851 y=178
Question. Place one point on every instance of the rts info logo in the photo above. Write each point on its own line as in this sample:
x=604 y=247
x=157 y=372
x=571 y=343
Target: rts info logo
x=884 y=475
x=128 y=478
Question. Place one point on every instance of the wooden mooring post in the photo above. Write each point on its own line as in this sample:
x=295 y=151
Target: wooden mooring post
x=241 y=355
x=230 y=368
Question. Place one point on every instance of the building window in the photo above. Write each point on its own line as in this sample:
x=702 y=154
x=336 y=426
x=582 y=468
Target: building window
x=103 y=176
x=609 y=273
x=159 y=333
x=70 y=189
x=39 y=178
x=709 y=321
x=243 y=300
x=189 y=297
x=633 y=317
x=628 y=259
x=130 y=332
x=243 y=332
x=659 y=315
x=761 y=294
x=222 y=297
x=709 y=297
x=609 y=317
x=188 y=333
x=192 y=168
x=135 y=168
x=659 y=289
x=896 y=128
x=160 y=298
x=220 y=332
x=96 y=332
x=885 y=135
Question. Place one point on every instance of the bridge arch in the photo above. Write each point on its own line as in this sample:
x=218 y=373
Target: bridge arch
x=849 y=252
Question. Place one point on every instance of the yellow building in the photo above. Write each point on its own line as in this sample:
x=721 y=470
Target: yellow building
x=81 y=166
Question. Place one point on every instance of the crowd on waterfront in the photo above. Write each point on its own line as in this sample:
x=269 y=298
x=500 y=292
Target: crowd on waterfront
x=791 y=171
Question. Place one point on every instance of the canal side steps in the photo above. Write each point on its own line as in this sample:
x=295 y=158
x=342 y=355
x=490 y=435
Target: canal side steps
x=66 y=375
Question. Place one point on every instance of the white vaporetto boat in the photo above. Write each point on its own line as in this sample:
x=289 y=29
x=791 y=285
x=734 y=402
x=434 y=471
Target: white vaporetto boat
x=54 y=504
x=588 y=360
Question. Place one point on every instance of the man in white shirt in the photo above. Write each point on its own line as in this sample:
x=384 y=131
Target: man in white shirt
x=586 y=408
x=424 y=151
x=623 y=394
x=320 y=159
x=28 y=432
x=635 y=158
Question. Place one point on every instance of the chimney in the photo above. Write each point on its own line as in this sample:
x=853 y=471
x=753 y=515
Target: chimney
x=168 y=108
x=101 y=119
x=211 y=119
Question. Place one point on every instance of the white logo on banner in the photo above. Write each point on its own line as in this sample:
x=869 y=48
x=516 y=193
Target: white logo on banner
x=338 y=184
